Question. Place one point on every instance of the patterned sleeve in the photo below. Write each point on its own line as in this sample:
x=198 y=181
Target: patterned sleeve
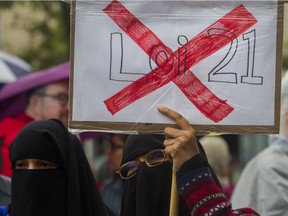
x=203 y=196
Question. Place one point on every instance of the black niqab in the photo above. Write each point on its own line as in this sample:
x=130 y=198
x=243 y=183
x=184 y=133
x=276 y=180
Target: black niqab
x=148 y=192
x=69 y=190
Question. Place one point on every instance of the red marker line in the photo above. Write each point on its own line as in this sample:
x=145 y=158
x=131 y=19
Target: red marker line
x=237 y=21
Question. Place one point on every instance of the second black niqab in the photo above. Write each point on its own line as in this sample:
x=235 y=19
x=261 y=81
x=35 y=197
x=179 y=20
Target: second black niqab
x=148 y=192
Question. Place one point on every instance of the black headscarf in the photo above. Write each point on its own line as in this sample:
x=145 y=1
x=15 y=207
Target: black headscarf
x=69 y=190
x=148 y=192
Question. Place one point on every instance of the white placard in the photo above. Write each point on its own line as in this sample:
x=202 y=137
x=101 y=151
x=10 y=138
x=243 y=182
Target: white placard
x=214 y=62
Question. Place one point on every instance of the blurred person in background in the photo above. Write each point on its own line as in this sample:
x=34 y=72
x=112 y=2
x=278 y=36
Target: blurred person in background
x=263 y=184
x=35 y=96
x=218 y=154
x=46 y=102
x=112 y=187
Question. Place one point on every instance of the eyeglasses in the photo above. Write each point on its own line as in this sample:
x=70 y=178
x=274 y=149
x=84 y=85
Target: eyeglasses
x=152 y=159
x=61 y=97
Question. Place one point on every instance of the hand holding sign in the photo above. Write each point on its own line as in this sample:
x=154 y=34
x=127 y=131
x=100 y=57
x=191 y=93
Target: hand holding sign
x=180 y=143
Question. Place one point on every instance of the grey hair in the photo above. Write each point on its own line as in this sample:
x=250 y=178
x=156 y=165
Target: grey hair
x=37 y=91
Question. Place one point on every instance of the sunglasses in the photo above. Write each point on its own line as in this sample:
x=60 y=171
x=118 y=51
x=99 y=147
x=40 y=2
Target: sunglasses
x=153 y=158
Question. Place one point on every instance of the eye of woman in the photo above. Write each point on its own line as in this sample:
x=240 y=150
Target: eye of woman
x=47 y=164
x=34 y=164
x=20 y=164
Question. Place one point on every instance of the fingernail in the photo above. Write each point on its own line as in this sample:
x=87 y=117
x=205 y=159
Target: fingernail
x=160 y=107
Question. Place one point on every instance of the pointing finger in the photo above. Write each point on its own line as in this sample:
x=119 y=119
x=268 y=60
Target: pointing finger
x=175 y=116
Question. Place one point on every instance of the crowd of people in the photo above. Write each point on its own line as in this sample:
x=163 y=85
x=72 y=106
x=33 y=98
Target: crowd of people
x=44 y=170
x=51 y=175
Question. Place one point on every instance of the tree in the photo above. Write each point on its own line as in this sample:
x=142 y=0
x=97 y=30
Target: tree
x=50 y=37
x=54 y=31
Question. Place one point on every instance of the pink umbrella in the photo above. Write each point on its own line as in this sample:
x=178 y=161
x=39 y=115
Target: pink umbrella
x=13 y=95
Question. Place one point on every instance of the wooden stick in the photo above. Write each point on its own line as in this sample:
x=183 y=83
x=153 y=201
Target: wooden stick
x=174 y=197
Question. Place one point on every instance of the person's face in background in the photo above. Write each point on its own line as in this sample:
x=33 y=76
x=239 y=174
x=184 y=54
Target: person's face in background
x=115 y=151
x=52 y=103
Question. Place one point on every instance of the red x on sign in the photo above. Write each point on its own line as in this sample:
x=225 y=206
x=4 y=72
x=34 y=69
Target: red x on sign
x=207 y=42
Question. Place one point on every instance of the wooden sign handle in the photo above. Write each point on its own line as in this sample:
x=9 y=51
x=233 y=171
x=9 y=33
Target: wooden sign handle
x=174 y=197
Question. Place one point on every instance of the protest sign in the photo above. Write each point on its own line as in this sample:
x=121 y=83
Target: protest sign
x=216 y=63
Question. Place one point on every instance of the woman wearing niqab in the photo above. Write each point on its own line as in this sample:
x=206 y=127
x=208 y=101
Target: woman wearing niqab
x=70 y=189
x=148 y=192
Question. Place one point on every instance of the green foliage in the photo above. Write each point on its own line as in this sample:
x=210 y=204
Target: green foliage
x=49 y=37
x=285 y=55
x=285 y=62
x=54 y=31
x=5 y=4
